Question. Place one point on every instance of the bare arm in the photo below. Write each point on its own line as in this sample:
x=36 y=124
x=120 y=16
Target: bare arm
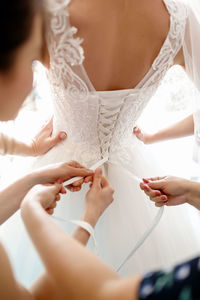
x=11 y=197
x=9 y=287
x=183 y=128
x=72 y=265
x=40 y=144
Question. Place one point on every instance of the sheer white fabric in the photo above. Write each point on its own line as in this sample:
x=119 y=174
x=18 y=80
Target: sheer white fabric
x=99 y=124
x=191 y=49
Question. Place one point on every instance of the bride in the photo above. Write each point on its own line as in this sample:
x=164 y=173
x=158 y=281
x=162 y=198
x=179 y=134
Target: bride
x=105 y=60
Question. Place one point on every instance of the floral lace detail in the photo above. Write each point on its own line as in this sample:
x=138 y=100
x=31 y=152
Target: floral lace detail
x=65 y=53
x=173 y=42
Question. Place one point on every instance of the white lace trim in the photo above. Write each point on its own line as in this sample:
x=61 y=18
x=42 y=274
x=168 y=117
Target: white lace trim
x=65 y=53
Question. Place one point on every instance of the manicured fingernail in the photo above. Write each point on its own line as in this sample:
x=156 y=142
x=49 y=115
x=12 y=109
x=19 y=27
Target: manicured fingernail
x=145 y=180
x=163 y=198
x=63 y=136
x=146 y=187
x=158 y=193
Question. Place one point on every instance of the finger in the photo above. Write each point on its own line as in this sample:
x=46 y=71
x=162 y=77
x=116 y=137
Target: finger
x=144 y=187
x=81 y=172
x=97 y=178
x=52 y=206
x=63 y=190
x=88 y=179
x=75 y=164
x=59 y=181
x=71 y=188
x=57 y=198
x=156 y=185
x=78 y=183
x=55 y=188
x=159 y=204
x=48 y=125
x=150 y=192
x=104 y=182
x=147 y=180
x=50 y=211
x=53 y=141
x=162 y=199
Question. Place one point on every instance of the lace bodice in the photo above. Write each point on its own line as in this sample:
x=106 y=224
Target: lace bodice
x=100 y=123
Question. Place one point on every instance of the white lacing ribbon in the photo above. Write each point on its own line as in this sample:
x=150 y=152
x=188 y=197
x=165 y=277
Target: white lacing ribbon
x=91 y=230
x=93 y=168
x=86 y=226
x=145 y=235
x=108 y=114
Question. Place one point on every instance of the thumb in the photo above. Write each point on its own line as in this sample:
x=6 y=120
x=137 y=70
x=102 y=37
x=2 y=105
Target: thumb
x=80 y=172
x=97 y=178
x=61 y=136
x=55 y=188
x=156 y=185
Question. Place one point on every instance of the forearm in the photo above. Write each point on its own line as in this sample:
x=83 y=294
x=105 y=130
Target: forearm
x=183 y=128
x=11 y=197
x=12 y=146
x=71 y=265
x=193 y=195
x=9 y=287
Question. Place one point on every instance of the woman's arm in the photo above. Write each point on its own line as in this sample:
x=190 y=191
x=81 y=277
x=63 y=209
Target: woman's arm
x=74 y=270
x=9 y=287
x=39 y=145
x=11 y=197
x=183 y=128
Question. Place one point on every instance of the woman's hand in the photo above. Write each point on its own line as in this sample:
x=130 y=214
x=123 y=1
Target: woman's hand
x=44 y=141
x=98 y=198
x=166 y=190
x=45 y=195
x=63 y=171
x=142 y=136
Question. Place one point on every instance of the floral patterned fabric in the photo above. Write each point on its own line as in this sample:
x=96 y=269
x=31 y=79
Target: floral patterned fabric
x=181 y=283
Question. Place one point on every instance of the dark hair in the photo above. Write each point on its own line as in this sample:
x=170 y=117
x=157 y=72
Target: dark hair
x=16 y=20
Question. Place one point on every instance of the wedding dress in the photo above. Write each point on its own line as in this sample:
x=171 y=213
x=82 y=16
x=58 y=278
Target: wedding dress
x=99 y=125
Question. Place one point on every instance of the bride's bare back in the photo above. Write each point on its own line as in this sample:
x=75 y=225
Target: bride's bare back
x=121 y=38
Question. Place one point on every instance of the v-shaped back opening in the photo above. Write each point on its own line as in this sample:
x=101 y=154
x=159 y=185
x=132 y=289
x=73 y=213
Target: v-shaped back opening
x=146 y=76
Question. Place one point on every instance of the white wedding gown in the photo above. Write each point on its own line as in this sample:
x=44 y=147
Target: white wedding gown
x=99 y=125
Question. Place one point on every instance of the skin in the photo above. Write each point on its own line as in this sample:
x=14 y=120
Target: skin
x=171 y=191
x=62 y=275
x=39 y=145
x=109 y=25
x=183 y=128
x=11 y=197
